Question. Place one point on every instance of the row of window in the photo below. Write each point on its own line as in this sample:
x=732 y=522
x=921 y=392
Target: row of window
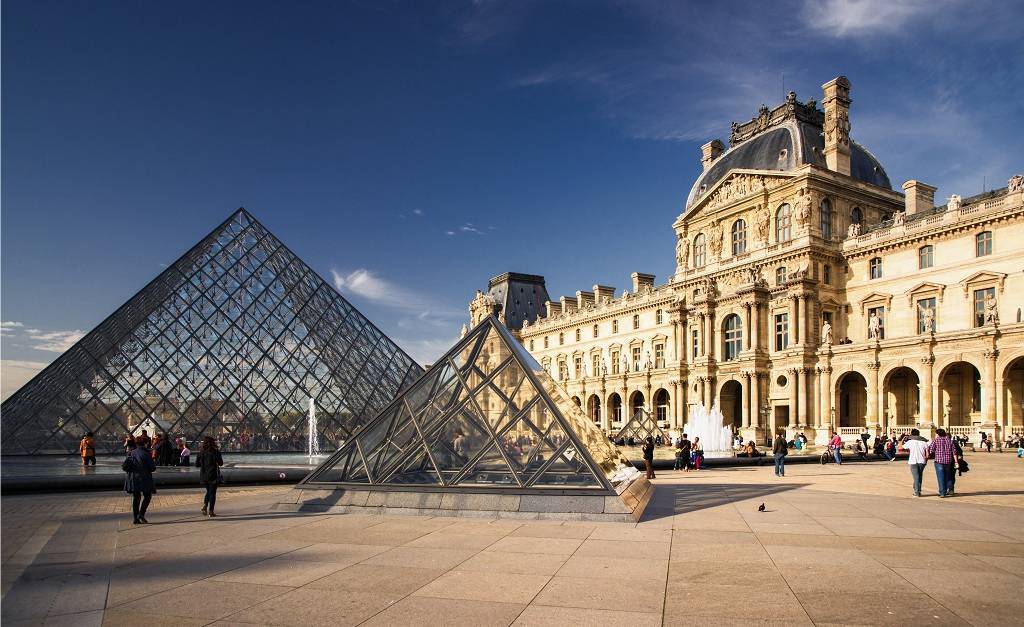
x=927 y=312
x=659 y=318
x=595 y=363
x=926 y=254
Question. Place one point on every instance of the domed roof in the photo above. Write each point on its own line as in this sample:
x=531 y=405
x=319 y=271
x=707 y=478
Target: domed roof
x=784 y=139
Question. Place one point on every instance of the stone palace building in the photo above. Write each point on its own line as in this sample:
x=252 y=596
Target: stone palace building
x=808 y=296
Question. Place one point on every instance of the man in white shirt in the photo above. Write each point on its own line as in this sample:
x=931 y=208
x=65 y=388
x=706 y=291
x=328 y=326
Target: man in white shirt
x=918 y=449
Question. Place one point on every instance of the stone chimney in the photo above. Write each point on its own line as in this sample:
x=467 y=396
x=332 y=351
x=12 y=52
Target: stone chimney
x=567 y=304
x=711 y=151
x=919 y=197
x=604 y=292
x=641 y=280
x=553 y=309
x=837 y=124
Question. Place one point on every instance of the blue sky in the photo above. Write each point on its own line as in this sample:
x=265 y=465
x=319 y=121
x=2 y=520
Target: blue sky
x=409 y=150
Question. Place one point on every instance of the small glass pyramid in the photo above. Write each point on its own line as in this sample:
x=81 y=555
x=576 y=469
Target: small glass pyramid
x=232 y=341
x=639 y=427
x=485 y=415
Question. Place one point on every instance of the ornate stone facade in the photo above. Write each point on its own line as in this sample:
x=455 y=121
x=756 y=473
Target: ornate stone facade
x=779 y=274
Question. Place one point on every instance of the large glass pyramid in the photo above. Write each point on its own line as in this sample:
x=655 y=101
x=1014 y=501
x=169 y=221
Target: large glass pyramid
x=639 y=427
x=485 y=415
x=232 y=340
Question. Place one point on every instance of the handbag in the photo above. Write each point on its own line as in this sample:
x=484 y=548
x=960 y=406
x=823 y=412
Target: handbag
x=128 y=465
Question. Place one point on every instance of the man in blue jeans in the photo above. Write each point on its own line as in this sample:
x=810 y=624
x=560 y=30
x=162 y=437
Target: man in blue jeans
x=779 y=450
x=918 y=449
x=942 y=450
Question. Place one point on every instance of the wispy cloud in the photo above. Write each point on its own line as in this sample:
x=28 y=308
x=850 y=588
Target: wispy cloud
x=54 y=341
x=858 y=18
x=417 y=212
x=8 y=327
x=16 y=373
x=386 y=293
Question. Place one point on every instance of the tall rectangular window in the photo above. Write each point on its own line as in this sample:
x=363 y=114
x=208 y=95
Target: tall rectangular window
x=595 y=365
x=983 y=244
x=925 y=257
x=563 y=371
x=615 y=326
x=925 y=312
x=980 y=296
x=875 y=267
x=659 y=355
x=615 y=362
x=596 y=330
x=636 y=359
x=781 y=331
x=826 y=271
x=545 y=341
x=878 y=312
x=636 y=321
x=577 y=335
x=696 y=343
x=531 y=346
x=578 y=364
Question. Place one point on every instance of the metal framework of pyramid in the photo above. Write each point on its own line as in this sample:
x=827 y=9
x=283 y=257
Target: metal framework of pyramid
x=232 y=340
x=485 y=415
x=640 y=426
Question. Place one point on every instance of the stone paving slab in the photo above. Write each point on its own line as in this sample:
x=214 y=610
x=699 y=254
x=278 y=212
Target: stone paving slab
x=835 y=546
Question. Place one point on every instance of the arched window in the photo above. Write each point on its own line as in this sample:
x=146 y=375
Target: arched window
x=826 y=219
x=875 y=268
x=780 y=275
x=925 y=257
x=856 y=216
x=733 y=337
x=739 y=237
x=983 y=244
x=783 y=225
x=700 y=255
x=659 y=316
x=595 y=330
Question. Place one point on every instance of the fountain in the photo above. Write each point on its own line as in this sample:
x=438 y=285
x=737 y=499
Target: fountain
x=708 y=426
x=314 y=440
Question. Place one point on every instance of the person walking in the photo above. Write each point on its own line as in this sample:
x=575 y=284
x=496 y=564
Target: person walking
x=184 y=454
x=941 y=449
x=959 y=466
x=678 y=463
x=836 y=446
x=138 y=466
x=865 y=436
x=648 y=450
x=209 y=461
x=87 y=447
x=918 y=449
x=779 y=450
x=685 y=448
x=698 y=453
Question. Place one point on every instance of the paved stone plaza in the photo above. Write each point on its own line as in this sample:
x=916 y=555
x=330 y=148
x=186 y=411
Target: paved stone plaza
x=837 y=545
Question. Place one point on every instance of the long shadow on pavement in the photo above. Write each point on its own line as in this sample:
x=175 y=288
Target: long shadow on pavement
x=670 y=500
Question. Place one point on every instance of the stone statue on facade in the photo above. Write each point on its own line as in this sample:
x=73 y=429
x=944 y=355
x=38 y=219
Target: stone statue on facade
x=715 y=239
x=954 y=203
x=826 y=333
x=897 y=218
x=649 y=364
x=761 y=223
x=480 y=307
x=604 y=367
x=1015 y=184
x=854 y=230
x=464 y=331
x=682 y=251
x=929 y=320
x=803 y=210
x=874 y=327
x=991 y=310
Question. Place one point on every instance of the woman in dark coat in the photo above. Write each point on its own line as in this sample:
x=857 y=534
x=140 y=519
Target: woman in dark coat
x=648 y=451
x=138 y=467
x=209 y=462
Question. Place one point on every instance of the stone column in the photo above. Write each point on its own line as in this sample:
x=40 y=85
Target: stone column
x=709 y=346
x=625 y=404
x=755 y=400
x=988 y=406
x=798 y=331
x=755 y=326
x=803 y=319
x=872 y=408
x=793 y=395
x=749 y=325
x=745 y=408
x=927 y=391
x=606 y=421
x=802 y=395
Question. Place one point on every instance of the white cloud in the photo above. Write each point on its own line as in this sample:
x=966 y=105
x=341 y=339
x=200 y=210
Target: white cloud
x=9 y=327
x=468 y=227
x=381 y=291
x=418 y=212
x=449 y=232
x=54 y=341
x=14 y=374
x=854 y=18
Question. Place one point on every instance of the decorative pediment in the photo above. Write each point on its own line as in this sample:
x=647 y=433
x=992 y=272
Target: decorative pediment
x=661 y=337
x=984 y=277
x=739 y=184
x=876 y=298
x=923 y=289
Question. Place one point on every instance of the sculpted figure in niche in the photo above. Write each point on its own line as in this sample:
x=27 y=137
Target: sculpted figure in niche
x=954 y=203
x=874 y=326
x=649 y=364
x=826 y=333
x=1015 y=184
x=929 y=320
x=803 y=209
x=897 y=218
x=715 y=243
x=604 y=367
x=854 y=230
x=991 y=310
x=761 y=222
x=682 y=250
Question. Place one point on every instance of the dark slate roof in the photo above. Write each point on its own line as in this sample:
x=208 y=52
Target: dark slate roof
x=785 y=147
x=521 y=296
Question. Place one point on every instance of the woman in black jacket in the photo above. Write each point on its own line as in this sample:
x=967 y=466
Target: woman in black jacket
x=209 y=462
x=138 y=467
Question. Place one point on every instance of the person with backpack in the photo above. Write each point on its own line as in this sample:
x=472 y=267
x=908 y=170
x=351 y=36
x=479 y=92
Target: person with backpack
x=780 y=448
x=648 y=451
x=87 y=447
x=139 y=466
x=209 y=461
x=683 y=448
